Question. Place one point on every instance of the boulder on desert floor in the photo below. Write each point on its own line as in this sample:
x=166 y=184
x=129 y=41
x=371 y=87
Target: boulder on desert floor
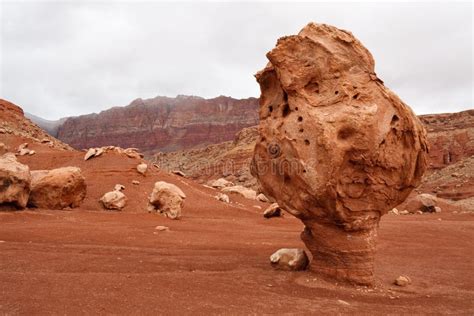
x=15 y=181
x=57 y=188
x=424 y=202
x=221 y=183
x=402 y=281
x=273 y=210
x=222 y=197
x=142 y=168
x=337 y=149
x=166 y=199
x=119 y=187
x=241 y=190
x=290 y=259
x=113 y=200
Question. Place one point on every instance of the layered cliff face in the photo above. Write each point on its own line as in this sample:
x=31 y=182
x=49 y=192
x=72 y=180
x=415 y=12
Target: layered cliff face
x=162 y=123
x=451 y=137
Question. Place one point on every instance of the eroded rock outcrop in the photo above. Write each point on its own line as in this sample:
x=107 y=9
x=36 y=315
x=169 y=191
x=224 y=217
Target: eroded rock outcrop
x=167 y=199
x=15 y=181
x=57 y=188
x=337 y=149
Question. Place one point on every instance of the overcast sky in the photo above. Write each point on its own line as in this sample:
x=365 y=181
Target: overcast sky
x=75 y=57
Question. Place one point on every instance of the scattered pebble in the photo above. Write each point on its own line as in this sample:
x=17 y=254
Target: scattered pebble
x=343 y=302
x=162 y=228
x=402 y=281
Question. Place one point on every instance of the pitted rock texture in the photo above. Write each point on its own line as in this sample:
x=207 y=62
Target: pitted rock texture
x=57 y=188
x=337 y=149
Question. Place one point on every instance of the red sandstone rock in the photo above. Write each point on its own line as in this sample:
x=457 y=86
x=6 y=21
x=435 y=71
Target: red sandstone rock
x=337 y=149
x=57 y=188
x=14 y=123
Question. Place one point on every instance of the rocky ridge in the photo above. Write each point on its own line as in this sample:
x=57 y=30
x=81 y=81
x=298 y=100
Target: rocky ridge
x=14 y=123
x=162 y=123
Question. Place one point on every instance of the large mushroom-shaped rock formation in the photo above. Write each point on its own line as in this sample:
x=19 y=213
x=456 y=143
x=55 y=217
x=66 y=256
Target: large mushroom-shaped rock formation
x=337 y=149
x=57 y=188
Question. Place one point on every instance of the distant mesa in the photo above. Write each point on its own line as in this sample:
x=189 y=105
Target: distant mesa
x=157 y=124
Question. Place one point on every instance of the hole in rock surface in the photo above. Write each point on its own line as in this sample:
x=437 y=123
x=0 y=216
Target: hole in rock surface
x=300 y=119
x=345 y=133
x=312 y=87
x=395 y=119
x=306 y=142
x=286 y=110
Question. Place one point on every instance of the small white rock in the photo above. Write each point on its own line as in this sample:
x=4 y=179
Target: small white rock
x=262 y=198
x=290 y=259
x=142 y=168
x=90 y=153
x=222 y=197
x=402 y=281
x=119 y=187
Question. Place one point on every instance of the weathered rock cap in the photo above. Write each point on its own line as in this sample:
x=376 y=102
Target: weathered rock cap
x=57 y=188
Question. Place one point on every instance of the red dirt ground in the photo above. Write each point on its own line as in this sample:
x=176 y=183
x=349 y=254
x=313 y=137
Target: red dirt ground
x=215 y=260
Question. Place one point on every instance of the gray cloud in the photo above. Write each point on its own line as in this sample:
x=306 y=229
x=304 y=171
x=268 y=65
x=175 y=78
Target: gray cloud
x=68 y=58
